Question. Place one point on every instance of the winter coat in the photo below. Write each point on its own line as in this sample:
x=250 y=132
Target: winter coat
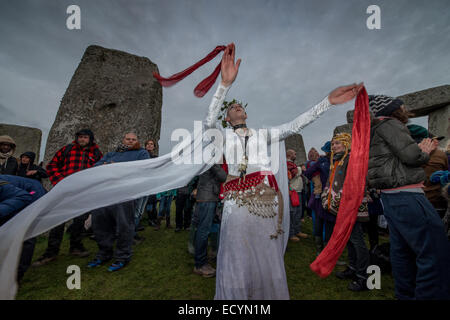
x=65 y=163
x=129 y=155
x=12 y=200
x=23 y=169
x=438 y=161
x=208 y=188
x=8 y=165
x=322 y=165
x=32 y=186
x=332 y=194
x=395 y=159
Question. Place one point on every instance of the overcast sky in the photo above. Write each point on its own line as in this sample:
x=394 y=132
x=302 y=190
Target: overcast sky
x=294 y=53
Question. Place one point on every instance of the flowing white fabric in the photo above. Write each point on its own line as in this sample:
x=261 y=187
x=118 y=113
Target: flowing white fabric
x=250 y=264
x=119 y=182
x=87 y=190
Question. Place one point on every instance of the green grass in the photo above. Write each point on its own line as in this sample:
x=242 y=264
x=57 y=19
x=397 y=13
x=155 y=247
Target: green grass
x=161 y=268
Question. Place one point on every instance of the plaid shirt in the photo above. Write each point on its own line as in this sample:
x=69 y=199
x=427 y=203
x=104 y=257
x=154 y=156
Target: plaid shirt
x=76 y=160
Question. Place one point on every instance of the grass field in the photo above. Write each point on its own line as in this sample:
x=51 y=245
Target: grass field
x=161 y=268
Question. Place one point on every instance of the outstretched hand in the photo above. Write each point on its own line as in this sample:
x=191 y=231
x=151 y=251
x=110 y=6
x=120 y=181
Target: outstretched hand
x=229 y=68
x=345 y=93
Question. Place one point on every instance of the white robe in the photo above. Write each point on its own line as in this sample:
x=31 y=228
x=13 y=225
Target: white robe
x=250 y=264
x=102 y=186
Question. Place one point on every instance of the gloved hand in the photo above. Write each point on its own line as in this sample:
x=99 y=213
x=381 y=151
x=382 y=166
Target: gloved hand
x=440 y=176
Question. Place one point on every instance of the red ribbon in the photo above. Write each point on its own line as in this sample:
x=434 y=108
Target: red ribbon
x=202 y=88
x=353 y=190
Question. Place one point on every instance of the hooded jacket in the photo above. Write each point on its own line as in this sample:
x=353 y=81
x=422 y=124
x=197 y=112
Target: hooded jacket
x=395 y=159
x=8 y=165
x=22 y=169
x=12 y=200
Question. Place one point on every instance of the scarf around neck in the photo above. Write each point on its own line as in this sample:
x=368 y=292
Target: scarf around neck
x=122 y=148
x=4 y=156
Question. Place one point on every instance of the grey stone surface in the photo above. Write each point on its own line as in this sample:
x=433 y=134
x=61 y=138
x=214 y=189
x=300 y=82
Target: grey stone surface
x=295 y=142
x=350 y=116
x=438 y=123
x=343 y=128
x=424 y=102
x=26 y=138
x=112 y=92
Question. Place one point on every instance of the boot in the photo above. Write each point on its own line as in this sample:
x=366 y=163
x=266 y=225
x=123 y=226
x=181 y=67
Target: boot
x=318 y=244
x=158 y=223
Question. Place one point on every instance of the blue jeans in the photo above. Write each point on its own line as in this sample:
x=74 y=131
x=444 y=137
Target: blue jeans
x=140 y=207
x=164 y=206
x=203 y=220
x=420 y=251
x=295 y=218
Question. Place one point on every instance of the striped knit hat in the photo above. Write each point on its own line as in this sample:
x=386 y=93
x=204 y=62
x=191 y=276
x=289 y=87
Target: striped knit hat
x=382 y=105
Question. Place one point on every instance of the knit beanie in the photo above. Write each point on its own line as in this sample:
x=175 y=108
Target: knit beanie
x=326 y=147
x=382 y=105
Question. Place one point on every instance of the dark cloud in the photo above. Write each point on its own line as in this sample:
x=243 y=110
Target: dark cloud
x=294 y=53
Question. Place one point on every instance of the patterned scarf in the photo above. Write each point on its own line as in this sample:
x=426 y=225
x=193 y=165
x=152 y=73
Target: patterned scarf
x=122 y=148
x=4 y=156
x=346 y=140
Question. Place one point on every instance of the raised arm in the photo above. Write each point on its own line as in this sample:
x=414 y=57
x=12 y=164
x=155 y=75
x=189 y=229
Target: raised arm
x=229 y=70
x=215 y=105
x=337 y=96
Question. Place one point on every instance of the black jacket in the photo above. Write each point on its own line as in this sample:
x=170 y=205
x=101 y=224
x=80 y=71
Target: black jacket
x=23 y=169
x=9 y=167
x=395 y=159
x=208 y=187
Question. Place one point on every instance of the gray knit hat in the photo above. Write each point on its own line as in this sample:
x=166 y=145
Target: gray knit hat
x=382 y=105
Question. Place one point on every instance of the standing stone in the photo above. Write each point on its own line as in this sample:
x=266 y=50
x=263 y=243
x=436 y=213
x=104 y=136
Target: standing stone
x=438 y=123
x=26 y=138
x=295 y=142
x=346 y=128
x=350 y=115
x=423 y=102
x=112 y=92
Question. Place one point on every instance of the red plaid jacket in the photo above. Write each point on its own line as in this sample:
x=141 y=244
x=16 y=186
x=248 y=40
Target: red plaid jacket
x=77 y=159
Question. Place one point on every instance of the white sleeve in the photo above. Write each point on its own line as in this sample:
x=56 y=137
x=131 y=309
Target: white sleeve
x=215 y=106
x=295 y=126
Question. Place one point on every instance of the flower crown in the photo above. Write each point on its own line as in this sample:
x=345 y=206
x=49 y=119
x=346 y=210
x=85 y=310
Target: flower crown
x=224 y=109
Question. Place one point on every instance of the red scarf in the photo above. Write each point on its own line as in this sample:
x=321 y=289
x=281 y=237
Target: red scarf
x=202 y=88
x=353 y=190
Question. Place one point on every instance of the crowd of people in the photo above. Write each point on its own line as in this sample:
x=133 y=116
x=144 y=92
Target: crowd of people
x=406 y=195
x=118 y=224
